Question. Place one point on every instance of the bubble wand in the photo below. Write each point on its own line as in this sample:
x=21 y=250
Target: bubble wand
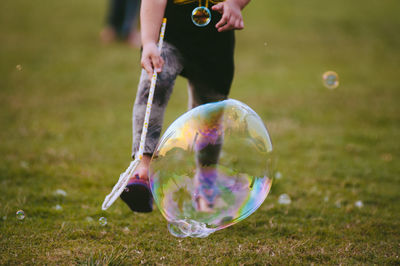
x=124 y=177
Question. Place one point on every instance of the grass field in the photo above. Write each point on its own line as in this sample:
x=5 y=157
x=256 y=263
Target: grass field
x=65 y=117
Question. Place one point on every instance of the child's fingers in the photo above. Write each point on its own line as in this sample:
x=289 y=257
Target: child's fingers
x=231 y=16
x=239 y=24
x=225 y=27
x=233 y=23
x=224 y=20
x=148 y=67
x=218 y=7
x=229 y=25
x=158 y=63
x=151 y=59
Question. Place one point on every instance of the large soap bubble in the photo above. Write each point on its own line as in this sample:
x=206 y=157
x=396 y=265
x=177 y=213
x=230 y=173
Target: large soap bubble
x=210 y=169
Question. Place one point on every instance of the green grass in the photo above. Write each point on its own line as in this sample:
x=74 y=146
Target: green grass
x=65 y=124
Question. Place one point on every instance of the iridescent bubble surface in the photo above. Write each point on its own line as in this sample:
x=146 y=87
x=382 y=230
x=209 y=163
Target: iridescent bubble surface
x=103 y=221
x=210 y=169
x=330 y=79
x=20 y=214
x=201 y=16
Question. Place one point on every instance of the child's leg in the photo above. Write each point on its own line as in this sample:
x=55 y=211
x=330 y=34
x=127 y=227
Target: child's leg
x=114 y=18
x=137 y=194
x=130 y=17
x=163 y=90
x=211 y=144
x=208 y=148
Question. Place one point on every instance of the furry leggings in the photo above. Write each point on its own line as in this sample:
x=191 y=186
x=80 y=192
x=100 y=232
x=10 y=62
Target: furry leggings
x=199 y=93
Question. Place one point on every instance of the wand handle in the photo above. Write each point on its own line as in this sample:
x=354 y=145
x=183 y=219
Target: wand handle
x=151 y=95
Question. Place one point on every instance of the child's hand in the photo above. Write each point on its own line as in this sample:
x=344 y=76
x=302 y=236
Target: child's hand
x=151 y=59
x=231 y=16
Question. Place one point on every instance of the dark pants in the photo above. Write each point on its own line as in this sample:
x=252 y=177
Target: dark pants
x=122 y=16
x=199 y=93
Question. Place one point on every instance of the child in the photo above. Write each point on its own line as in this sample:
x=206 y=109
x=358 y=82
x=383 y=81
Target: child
x=203 y=55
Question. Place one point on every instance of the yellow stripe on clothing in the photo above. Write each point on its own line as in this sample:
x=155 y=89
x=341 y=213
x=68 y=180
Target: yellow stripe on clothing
x=185 y=2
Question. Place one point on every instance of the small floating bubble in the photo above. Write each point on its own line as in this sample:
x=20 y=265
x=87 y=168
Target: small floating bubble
x=284 y=199
x=58 y=207
x=89 y=219
x=330 y=79
x=359 y=204
x=60 y=192
x=326 y=198
x=103 y=221
x=4 y=217
x=201 y=16
x=18 y=67
x=20 y=214
x=278 y=175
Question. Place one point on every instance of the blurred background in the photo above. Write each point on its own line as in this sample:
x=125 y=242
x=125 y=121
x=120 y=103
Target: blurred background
x=65 y=124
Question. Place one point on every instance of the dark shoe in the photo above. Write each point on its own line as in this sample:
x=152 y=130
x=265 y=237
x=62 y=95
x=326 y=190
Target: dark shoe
x=137 y=196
